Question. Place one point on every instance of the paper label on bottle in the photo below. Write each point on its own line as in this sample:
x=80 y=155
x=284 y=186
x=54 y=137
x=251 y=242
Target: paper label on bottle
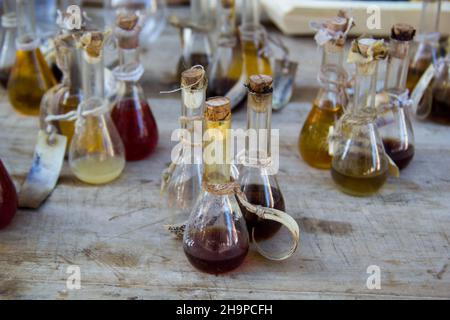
x=422 y=110
x=45 y=170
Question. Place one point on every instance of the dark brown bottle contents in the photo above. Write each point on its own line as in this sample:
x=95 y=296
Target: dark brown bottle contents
x=195 y=59
x=210 y=250
x=220 y=87
x=440 y=109
x=267 y=197
x=399 y=154
x=56 y=72
x=4 y=76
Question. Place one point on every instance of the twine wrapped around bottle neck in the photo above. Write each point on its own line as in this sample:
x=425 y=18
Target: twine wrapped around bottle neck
x=233 y=188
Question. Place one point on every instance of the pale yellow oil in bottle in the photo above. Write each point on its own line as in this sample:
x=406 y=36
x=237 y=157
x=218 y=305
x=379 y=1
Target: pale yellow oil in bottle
x=30 y=79
x=68 y=127
x=255 y=62
x=313 y=141
x=359 y=185
x=97 y=170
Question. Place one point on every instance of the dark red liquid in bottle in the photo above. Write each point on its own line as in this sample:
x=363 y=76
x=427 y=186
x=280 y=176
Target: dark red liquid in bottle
x=137 y=128
x=400 y=154
x=8 y=198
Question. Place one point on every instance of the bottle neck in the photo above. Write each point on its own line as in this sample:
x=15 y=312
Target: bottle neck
x=331 y=69
x=365 y=86
x=397 y=68
x=200 y=12
x=259 y=119
x=216 y=151
x=250 y=12
x=429 y=20
x=26 y=24
x=192 y=105
x=229 y=22
x=93 y=77
x=128 y=56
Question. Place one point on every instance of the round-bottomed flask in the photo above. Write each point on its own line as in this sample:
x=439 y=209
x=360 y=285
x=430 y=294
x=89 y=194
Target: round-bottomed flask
x=258 y=182
x=7 y=46
x=394 y=115
x=31 y=76
x=216 y=238
x=360 y=165
x=331 y=99
x=8 y=198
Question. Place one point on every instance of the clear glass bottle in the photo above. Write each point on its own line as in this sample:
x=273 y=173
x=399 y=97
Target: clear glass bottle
x=427 y=41
x=226 y=67
x=258 y=183
x=216 y=237
x=131 y=112
x=330 y=101
x=7 y=46
x=30 y=77
x=394 y=116
x=96 y=154
x=8 y=198
x=360 y=165
x=185 y=182
x=254 y=40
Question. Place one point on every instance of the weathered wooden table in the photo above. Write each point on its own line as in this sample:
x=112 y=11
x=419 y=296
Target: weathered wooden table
x=114 y=232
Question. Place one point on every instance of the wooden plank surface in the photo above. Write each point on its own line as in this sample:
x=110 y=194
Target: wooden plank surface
x=114 y=232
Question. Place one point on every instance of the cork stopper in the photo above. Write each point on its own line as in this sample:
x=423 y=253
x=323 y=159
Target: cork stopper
x=192 y=78
x=402 y=32
x=92 y=43
x=260 y=83
x=127 y=21
x=128 y=29
x=370 y=48
x=337 y=24
x=218 y=109
x=228 y=4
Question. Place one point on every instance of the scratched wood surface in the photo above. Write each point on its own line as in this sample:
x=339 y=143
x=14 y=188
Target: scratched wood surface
x=114 y=232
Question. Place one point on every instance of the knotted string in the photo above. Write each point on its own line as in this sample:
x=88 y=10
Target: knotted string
x=233 y=188
x=189 y=86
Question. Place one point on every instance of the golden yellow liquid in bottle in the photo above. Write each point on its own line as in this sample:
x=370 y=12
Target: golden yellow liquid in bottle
x=359 y=185
x=95 y=169
x=254 y=61
x=68 y=127
x=30 y=79
x=415 y=72
x=313 y=141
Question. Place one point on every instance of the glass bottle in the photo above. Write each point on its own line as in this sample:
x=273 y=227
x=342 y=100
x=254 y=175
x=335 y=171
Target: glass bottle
x=360 y=165
x=131 y=113
x=330 y=101
x=425 y=50
x=394 y=116
x=257 y=181
x=7 y=46
x=8 y=197
x=254 y=40
x=96 y=154
x=185 y=182
x=440 y=105
x=30 y=77
x=216 y=237
x=226 y=68
x=196 y=42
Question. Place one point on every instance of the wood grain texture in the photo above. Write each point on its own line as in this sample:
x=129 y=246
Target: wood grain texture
x=115 y=234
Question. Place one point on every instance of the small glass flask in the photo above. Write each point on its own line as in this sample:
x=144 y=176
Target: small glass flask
x=184 y=181
x=216 y=238
x=8 y=197
x=7 y=46
x=394 y=114
x=131 y=113
x=258 y=182
x=254 y=40
x=31 y=76
x=197 y=45
x=226 y=68
x=96 y=154
x=331 y=99
x=427 y=41
x=360 y=165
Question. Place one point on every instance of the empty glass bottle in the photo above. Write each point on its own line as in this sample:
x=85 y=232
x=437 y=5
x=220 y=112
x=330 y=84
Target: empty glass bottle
x=30 y=77
x=331 y=99
x=182 y=181
x=254 y=40
x=360 y=165
x=131 y=113
x=7 y=46
x=8 y=198
x=394 y=115
x=425 y=50
x=226 y=67
x=257 y=181
x=96 y=153
x=216 y=237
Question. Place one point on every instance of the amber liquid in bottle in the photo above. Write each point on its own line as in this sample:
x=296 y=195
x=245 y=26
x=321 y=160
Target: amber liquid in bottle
x=68 y=127
x=399 y=154
x=440 y=109
x=206 y=255
x=415 y=72
x=267 y=197
x=30 y=79
x=255 y=62
x=313 y=142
